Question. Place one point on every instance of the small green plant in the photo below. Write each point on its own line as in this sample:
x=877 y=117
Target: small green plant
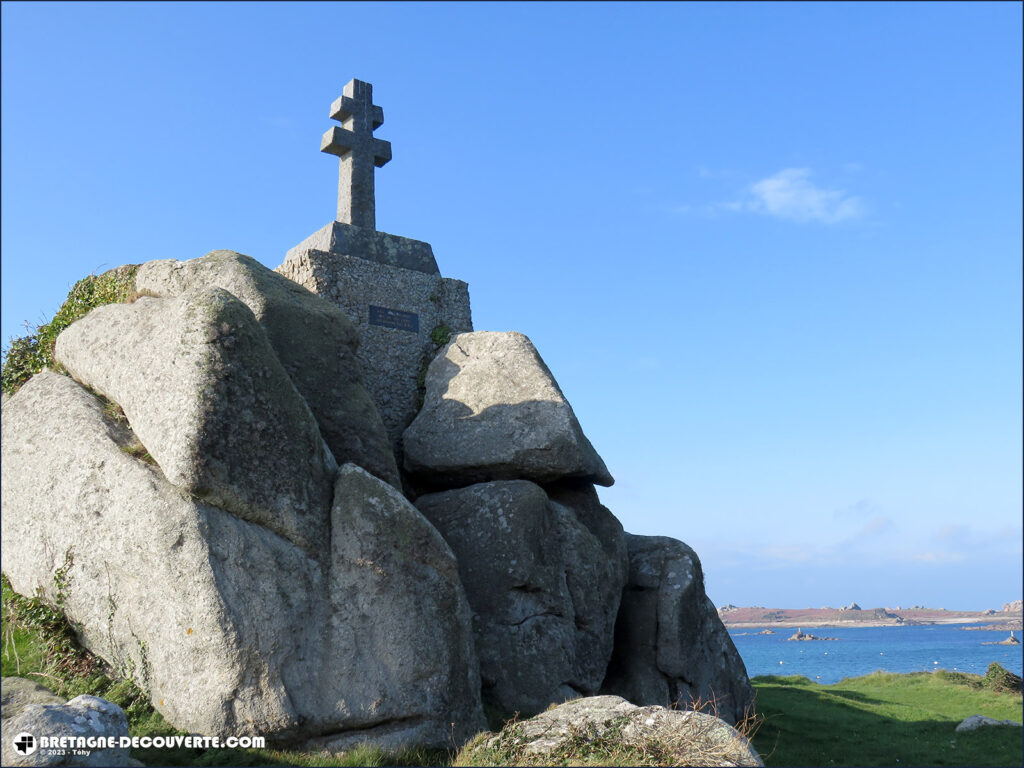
x=62 y=577
x=441 y=335
x=28 y=355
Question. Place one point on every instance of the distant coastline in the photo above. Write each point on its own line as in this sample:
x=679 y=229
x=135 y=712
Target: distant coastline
x=853 y=615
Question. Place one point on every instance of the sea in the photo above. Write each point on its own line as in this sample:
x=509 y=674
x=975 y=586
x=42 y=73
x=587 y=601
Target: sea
x=862 y=650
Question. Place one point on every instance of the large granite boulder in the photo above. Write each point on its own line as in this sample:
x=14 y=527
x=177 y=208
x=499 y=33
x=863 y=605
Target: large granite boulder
x=670 y=645
x=31 y=712
x=544 y=581
x=314 y=340
x=493 y=411
x=233 y=629
x=398 y=652
x=608 y=730
x=204 y=392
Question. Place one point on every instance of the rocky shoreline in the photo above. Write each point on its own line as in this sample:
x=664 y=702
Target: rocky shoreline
x=853 y=615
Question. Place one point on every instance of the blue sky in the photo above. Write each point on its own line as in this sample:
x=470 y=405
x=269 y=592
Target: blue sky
x=772 y=252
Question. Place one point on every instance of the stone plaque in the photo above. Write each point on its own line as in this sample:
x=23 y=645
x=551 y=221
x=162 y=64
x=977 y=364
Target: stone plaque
x=394 y=318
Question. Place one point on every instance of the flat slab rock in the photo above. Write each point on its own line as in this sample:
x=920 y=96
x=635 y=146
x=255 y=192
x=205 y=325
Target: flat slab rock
x=29 y=708
x=691 y=738
x=493 y=411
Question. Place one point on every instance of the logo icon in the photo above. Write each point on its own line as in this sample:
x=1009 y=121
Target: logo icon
x=25 y=743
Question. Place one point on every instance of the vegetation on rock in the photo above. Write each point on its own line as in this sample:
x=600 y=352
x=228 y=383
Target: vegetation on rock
x=28 y=355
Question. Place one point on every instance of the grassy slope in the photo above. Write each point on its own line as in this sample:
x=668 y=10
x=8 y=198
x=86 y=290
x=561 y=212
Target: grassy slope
x=884 y=719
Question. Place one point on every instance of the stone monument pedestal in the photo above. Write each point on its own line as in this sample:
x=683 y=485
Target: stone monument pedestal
x=396 y=310
x=389 y=286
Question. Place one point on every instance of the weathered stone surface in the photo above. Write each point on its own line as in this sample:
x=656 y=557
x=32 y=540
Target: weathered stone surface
x=615 y=727
x=206 y=395
x=83 y=717
x=358 y=150
x=493 y=411
x=397 y=614
x=544 y=582
x=16 y=693
x=974 y=722
x=230 y=628
x=125 y=540
x=670 y=645
x=314 y=340
x=349 y=240
x=392 y=358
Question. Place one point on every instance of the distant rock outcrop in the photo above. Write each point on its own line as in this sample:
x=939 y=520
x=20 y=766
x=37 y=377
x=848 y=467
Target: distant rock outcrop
x=1015 y=607
x=1011 y=640
x=800 y=635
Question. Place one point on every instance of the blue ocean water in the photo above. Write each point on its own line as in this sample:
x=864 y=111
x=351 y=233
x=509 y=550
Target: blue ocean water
x=863 y=650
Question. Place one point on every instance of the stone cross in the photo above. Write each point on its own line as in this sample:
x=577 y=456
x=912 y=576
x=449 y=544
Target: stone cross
x=359 y=151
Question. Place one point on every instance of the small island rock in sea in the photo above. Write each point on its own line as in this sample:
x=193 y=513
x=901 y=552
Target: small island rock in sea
x=801 y=635
x=1011 y=640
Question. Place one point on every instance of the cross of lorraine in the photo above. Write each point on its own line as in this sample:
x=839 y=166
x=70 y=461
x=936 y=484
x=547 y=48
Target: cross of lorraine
x=359 y=152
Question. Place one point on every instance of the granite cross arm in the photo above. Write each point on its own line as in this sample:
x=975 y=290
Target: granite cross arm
x=359 y=152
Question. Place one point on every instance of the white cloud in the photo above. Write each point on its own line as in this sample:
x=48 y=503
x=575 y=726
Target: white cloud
x=790 y=194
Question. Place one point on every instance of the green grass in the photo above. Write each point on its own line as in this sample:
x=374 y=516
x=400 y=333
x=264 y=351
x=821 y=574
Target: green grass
x=886 y=719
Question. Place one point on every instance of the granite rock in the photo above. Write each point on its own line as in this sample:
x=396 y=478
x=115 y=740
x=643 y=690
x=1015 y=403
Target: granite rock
x=493 y=411
x=314 y=340
x=670 y=645
x=83 y=717
x=399 y=642
x=205 y=394
x=16 y=693
x=974 y=722
x=683 y=737
x=542 y=585
x=253 y=635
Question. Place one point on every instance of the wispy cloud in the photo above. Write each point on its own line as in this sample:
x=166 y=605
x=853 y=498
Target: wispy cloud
x=790 y=194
